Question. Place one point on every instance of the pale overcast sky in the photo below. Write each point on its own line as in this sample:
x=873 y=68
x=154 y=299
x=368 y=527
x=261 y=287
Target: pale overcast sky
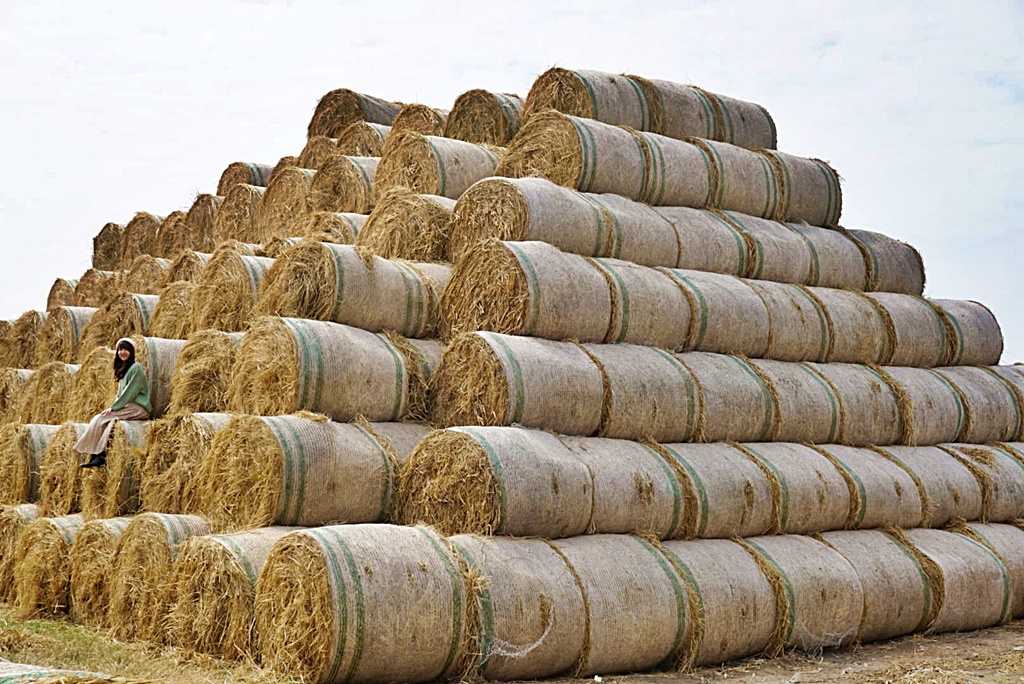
x=112 y=108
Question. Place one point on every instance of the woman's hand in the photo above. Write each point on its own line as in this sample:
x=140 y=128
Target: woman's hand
x=106 y=412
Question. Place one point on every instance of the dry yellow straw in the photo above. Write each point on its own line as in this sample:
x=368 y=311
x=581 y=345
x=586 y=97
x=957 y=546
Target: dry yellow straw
x=106 y=247
x=203 y=372
x=95 y=387
x=283 y=203
x=19 y=344
x=41 y=571
x=343 y=184
x=328 y=226
x=59 y=474
x=420 y=118
x=114 y=489
x=363 y=139
x=406 y=225
x=225 y=296
x=237 y=215
x=91 y=561
x=95 y=287
x=62 y=293
x=172 y=318
x=21 y=451
x=12 y=521
x=341 y=107
x=483 y=117
x=175 y=448
x=138 y=237
x=243 y=173
x=12 y=380
x=145 y=275
x=125 y=315
x=58 y=340
x=47 y=402
x=318 y=149
x=198 y=230
x=433 y=165
x=168 y=238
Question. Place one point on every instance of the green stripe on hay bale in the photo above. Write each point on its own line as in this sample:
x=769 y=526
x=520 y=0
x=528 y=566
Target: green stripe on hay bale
x=198 y=231
x=44 y=397
x=19 y=344
x=327 y=226
x=237 y=215
x=94 y=389
x=225 y=567
x=146 y=274
x=138 y=237
x=860 y=332
x=140 y=579
x=106 y=247
x=706 y=242
x=159 y=357
x=612 y=98
x=172 y=318
x=894 y=266
x=12 y=380
x=225 y=294
x=203 y=371
x=935 y=409
x=945 y=484
x=21 y=451
x=343 y=184
x=341 y=107
x=801 y=326
x=318 y=149
x=486 y=118
x=1007 y=542
x=41 y=570
x=809 y=188
x=59 y=474
x=13 y=520
x=91 y=562
x=920 y=332
x=344 y=284
x=1000 y=473
x=742 y=181
x=728 y=315
x=407 y=225
x=992 y=404
x=175 y=448
x=243 y=173
x=732 y=400
x=433 y=165
x=977 y=339
x=871 y=412
x=169 y=241
x=326 y=601
x=283 y=203
x=420 y=118
x=96 y=287
x=125 y=315
x=363 y=139
x=113 y=490
x=839 y=262
x=62 y=293
x=58 y=340
x=676 y=173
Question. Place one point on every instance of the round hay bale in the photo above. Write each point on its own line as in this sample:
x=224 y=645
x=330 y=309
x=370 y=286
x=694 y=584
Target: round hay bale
x=947 y=487
x=140 y=580
x=893 y=266
x=169 y=241
x=224 y=298
x=485 y=118
x=198 y=231
x=288 y=364
x=343 y=184
x=113 y=490
x=59 y=474
x=819 y=596
x=776 y=252
x=25 y=407
x=635 y=602
x=898 y=597
x=5 y=327
x=175 y=448
x=363 y=139
x=728 y=315
x=861 y=330
x=243 y=173
x=419 y=118
x=536 y=617
x=837 y=262
x=95 y=287
x=920 y=330
x=62 y=293
x=172 y=318
x=318 y=149
x=124 y=315
x=973 y=583
x=146 y=275
x=13 y=520
x=809 y=189
x=225 y=567
x=277 y=246
x=676 y=173
x=12 y=380
x=731 y=614
x=282 y=164
x=19 y=344
x=281 y=206
x=138 y=238
x=91 y=562
x=340 y=283
x=936 y=411
x=1001 y=477
x=407 y=225
x=328 y=226
x=519 y=482
x=189 y=265
x=1007 y=542
x=106 y=247
x=433 y=165
x=58 y=340
x=303 y=588
x=159 y=357
x=705 y=241
x=42 y=574
x=611 y=98
x=801 y=328
x=490 y=379
x=743 y=181
x=237 y=215
x=732 y=399
x=47 y=402
x=203 y=372
x=336 y=110
x=95 y=388
x=874 y=407
x=975 y=339
x=992 y=404
x=21 y=452
x=647 y=306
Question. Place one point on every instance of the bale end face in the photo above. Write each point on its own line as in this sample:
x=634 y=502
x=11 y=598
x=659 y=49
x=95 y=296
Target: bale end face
x=41 y=573
x=91 y=560
x=488 y=291
x=266 y=374
x=561 y=90
x=491 y=208
x=548 y=145
x=470 y=386
x=300 y=284
x=408 y=162
x=407 y=225
x=203 y=372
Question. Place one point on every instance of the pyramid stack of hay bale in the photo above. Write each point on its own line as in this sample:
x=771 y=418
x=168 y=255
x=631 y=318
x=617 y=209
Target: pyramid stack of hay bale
x=595 y=380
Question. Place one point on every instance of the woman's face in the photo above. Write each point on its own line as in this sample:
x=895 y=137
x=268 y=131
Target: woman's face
x=123 y=353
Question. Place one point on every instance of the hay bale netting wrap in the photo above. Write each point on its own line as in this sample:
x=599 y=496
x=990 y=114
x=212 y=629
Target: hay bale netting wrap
x=919 y=332
x=433 y=165
x=419 y=118
x=95 y=287
x=992 y=403
x=18 y=673
x=486 y=118
x=106 y=247
x=819 y=597
x=12 y=380
x=363 y=139
x=1007 y=542
x=974 y=585
x=146 y=275
x=407 y=225
x=176 y=446
x=809 y=187
x=18 y=349
x=58 y=340
x=340 y=283
x=21 y=451
x=801 y=327
x=318 y=149
x=62 y=293
x=874 y=407
x=91 y=562
x=210 y=602
x=41 y=570
x=744 y=181
x=519 y=482
x=243 y=173
x=893 y=266
x=490 y=379
x=138 y=238
x=861 y=331
x=125 y=315
x=169 y=241
x=95 y=388
x=172 y=318
x=12 y=521
x=59 y=474
x=237 y=215
x=283 y=203
x=977 y=339
x=203 y=371
x=339 y=108
x=295 y=470
x=329 y=226
x=1001 y=475
x=114 y=490
x=198 y=231
x=46 y=401
x=321 y=578
x=288 y=364
x=140 y=579
x=947 y=487
x=611 y=98
x=225 y=295
x=277 y=247
x=159 y=357
x=898 y=596
x=731 y=614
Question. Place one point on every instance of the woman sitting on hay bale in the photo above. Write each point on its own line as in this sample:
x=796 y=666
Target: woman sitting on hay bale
x=132 y=403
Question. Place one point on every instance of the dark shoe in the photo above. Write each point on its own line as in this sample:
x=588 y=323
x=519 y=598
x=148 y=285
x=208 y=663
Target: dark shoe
x=96 y=461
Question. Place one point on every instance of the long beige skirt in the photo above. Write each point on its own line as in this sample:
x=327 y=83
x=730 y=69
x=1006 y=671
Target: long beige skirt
x=97 y=435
